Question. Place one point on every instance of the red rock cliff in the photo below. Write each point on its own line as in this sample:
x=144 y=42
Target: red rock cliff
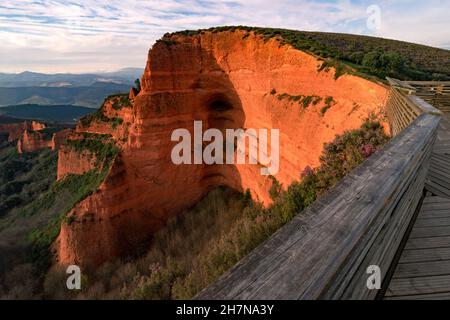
x=31 y=141
x=59 y=138
x=185 y=78
x=15 y=130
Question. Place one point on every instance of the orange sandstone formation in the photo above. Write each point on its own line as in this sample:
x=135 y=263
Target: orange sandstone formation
x=71 y=162
x=15 y=130
x=31 y=141
x=227 y=82
x=59 y=138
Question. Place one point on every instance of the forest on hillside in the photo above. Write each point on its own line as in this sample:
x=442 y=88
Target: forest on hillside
x=358 y=54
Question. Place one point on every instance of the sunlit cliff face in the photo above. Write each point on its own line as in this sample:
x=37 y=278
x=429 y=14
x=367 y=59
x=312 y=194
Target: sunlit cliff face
x=226 y=82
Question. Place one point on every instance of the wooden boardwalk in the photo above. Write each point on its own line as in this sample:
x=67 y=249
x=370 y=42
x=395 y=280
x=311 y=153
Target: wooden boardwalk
x=438 y=180
x=423 y=271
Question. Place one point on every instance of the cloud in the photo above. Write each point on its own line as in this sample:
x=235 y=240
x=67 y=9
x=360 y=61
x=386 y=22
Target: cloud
x=92 y=35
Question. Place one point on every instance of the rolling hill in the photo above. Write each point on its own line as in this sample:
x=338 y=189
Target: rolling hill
x=88 y=96
x=51 y=113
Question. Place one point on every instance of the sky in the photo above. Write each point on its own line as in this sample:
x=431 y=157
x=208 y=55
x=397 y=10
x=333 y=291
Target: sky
x=80 y=36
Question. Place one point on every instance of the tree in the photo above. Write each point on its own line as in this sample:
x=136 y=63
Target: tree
x=384 y=64
x=137 y=85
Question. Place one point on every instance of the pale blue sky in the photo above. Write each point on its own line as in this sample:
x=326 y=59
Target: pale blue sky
x=93 y=35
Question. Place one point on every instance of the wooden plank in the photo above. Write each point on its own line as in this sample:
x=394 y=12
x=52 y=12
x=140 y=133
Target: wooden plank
x=439 y=178
x=419 y=286
x=430 y=201
x=436 y=207
x=437 y=203
x=423 y=255
x=436 y=214
x=441 y=163
x=424 y=243
x=428 y=232
x=439 y=173
x=433 y=214
x=438 y=183
x=445 y=158
x=436 y=222
x=430 y=296
x=422 y=269
x=436 y=189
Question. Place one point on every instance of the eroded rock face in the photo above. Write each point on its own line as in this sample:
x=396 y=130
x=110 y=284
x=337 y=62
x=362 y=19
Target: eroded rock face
x=35 y=139
x=15 y=130
x=31 y=141
x=59 y=138
x=72 y=162
x=184 y=80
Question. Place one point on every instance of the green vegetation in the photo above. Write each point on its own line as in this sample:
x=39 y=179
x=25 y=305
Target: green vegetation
x=198 y=246
x=116 y=122
x=98 y=115
x=329 y=102
x=340 y=68
x=74 y=188
x=304 y=101
x=120 y=101
x=24 y=176
x=167 y=42
x=48 y=132
x=100 y=145
x=46 y=113
x=137 y=85
x=357 y=54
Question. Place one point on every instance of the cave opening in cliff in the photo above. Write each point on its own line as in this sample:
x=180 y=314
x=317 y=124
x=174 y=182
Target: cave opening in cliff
x=220 y=104
x=222 y=113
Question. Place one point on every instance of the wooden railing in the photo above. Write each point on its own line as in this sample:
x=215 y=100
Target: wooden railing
x=325 y=251
x=404 y=106
x=435 y=93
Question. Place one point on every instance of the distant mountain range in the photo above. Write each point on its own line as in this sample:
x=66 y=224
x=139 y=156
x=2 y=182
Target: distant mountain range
x=88 y=96
x=87 y=90
x=33 y=79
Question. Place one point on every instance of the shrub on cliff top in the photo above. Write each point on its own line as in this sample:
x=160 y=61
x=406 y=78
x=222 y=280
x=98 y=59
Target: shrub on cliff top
x=118 y=101
x=329 y=102
x=100 y=145
x=303 y=101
